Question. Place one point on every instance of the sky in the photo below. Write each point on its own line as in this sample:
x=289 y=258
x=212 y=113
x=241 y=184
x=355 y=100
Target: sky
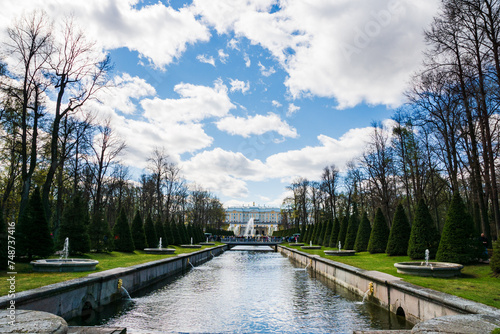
x=246 y=96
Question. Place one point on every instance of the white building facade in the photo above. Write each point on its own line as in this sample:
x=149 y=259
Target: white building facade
x=263 y=220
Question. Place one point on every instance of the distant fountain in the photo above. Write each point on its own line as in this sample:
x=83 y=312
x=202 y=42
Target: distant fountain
x=434 y=269
x=340 y=252
x=310 y=246
x=249 y=228
x=340 y=246
x=191 y=245
x=160 y=249
x=63 y=264
x=207 y=243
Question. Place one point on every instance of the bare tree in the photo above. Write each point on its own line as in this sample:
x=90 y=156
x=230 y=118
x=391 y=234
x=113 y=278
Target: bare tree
x=330 y=183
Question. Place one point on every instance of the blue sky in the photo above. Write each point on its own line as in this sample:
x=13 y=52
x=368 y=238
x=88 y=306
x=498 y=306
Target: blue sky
x=247 y=95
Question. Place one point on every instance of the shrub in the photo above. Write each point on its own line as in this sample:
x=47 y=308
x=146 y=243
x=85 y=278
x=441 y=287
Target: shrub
x=160 y=233
x=150 y=232
x=138 y=233
x=317 y=233
x=100 y=239
x=33 y=236
x=399 y=234
x=363 y=236
x=176 y=236
x=328 y=232
x=302 y=232
x=495 y=258
x=424 y=234
x=379 y=235
x=352 y=228
x=183 y=232
x=343 y=231
x=458 y=242
x=168 y=234
x=123 y=236
x=74 y=226
x=335 y=233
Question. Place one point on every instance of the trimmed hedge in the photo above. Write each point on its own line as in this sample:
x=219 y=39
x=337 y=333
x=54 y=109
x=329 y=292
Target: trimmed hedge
x=379 y=234
x=424 y=234
x=495 y=258
x=328 y=232
x=101 y=239
x=74 y=226
x=352 y=229
x=150 y=232
x=400 y=233
x=363 y=236
x=459 y=243
x=343 y=231
x=138 y=232
x=335 y=233
x=123 y=236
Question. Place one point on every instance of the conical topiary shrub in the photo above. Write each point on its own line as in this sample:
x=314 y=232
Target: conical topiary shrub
x=122 y=234
x=335 y=233
x=352 y=228
x=168 y=234
x=379 y=235
x=74 y=226
x=399 y=235
x=138 y=233
x=343 y=231
x=302 y=232
x=459 y=243
x=424 y=234
x=495 y=259
x=160 y=232
x=363 y=236
x=328 y=232
x=101 y=239
x=150 y=232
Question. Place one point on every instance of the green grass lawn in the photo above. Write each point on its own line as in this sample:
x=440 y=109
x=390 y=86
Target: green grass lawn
x=26 y=279
x=476 y=282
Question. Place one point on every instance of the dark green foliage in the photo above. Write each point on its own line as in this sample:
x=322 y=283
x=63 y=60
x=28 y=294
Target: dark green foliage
x=190 y=232
x=183 y=232
x=74 y=225
x=33 y=236
x=168 y=234
x=379 y=235
x=321 y=233
x=459 y=243
x=122 y=234
x=176 y=235
x=363 y=236
x=423 y=234
x=335 y=233
x=218 y=232
x=400 y=233
x=101 y=239
x=160 y=233
x=150 y=232
x=343 y=231
x=352 y=229
x=314 y=234
x=495 y=258
x=307 y=236
x=328 y=232
x=303 y=232
x=138 y=233
x=3 y=243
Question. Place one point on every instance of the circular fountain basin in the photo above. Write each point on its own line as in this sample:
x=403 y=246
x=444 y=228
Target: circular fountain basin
x=434 y=269
x=63 y=265
x=190 y=246
x=340 y=253
x=159 y=250
x=310 y=247
x=296 y=244
x=207 y=243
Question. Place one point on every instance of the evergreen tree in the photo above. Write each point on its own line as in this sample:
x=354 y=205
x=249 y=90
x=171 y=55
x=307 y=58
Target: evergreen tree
x=352 y=228
x=168 y=234
x=343 y=231
x=379 y=235
x=101 y=239
x=363 y=236
x=314 y=232
x=495 y=259
x=458 y=242
x=423 y=234
x=317 y=233
x=183 y=232
x=150 y=232
x=176 y=235
x=321 y=233
x=399 y=234
x=335 y=233
x=308 y=234
x=4 y=249
x=160 y=233
x=33 y=236
x=138 y=234
x=328 y=232
x=190 y=232
x=74 y=226
x=123 y=236
x=302 y=232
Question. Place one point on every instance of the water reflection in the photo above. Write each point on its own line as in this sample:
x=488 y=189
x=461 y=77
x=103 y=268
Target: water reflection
x=248 y=292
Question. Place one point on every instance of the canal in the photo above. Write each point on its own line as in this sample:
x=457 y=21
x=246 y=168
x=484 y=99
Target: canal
x=246 y=291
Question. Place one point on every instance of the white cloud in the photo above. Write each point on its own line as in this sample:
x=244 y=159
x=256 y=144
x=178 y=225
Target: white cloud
x=276 y=104
x=207 y=60
x=238 y=85
x=351 y=50
x=223 y=56
x=247 y=61
x=266 y=71
x=195 y=104
x=256 y=125
x=159 y=33
x=233 y=44
x=292 y=109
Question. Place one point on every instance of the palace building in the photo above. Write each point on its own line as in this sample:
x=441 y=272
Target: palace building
x=257 y=220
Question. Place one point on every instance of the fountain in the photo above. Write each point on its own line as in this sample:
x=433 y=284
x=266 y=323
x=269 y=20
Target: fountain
x=340 y=252
x=191 y=245
x=159 y=250
x=207 y=243
x=63 y=264
x=249 y=228
x=311 y=246
x=427 y=269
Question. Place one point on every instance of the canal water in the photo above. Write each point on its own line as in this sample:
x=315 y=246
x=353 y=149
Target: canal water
x=246 y=291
